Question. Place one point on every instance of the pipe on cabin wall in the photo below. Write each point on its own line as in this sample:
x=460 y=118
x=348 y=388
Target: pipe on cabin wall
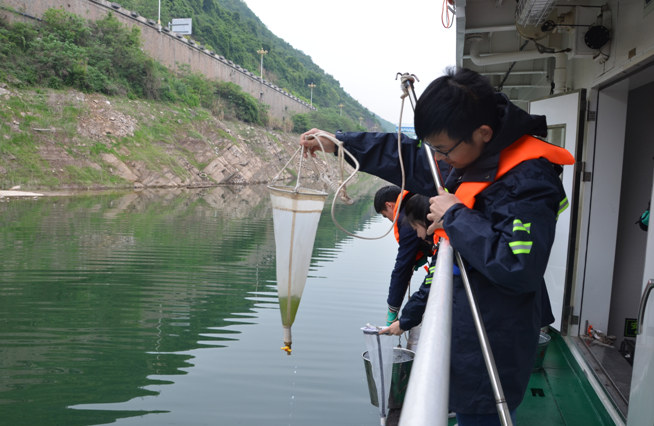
x=560 y=72
x=502 y=58
x=560 y=61
x=491 y=29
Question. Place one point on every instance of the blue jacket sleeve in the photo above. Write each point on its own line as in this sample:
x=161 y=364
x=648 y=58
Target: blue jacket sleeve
x=509 y=234
x=378 y=155
x=405 y=260
x=415 y=307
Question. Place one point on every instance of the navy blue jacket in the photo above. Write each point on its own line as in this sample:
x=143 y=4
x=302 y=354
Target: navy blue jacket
x=405 y=261
x=509 y=287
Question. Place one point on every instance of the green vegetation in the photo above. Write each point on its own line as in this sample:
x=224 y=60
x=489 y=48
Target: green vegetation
x=92 y=175
x=54 y=138
x=65 y=51
x=83 y=106
x=104 y=56
x=323 y=120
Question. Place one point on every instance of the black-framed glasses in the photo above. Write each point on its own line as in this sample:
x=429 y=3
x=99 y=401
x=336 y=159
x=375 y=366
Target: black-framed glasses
x=444 y=153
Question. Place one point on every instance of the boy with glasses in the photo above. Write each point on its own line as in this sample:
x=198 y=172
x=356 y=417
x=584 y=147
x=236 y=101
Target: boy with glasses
x=499 y=209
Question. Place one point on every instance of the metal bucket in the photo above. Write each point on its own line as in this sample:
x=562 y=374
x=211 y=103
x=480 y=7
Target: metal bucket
x=402 y=362
x=543 y=341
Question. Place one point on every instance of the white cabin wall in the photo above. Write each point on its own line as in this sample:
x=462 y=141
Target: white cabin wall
x=635 y=193
x=632 y=42
x=631 y=47
x=606 y=167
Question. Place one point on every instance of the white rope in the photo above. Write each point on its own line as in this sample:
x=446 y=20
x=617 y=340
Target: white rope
x=297 y=151
x=299 y=171
x=339 y=189
x=341 y=151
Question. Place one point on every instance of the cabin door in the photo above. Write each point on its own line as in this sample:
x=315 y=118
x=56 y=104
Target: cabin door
x=641 y=409
x=563 y=123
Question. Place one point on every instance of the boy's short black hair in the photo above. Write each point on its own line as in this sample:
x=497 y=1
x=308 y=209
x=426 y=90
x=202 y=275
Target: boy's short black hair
x=457 y=104
x=386 y=193
x=416 y=210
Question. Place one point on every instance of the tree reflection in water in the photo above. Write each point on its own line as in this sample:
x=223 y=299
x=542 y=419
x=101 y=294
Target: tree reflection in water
x=113 y=306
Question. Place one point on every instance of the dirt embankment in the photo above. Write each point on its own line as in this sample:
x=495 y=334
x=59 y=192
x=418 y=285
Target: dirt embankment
x=68 y=140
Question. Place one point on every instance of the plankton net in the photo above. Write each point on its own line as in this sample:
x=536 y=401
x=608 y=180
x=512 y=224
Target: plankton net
x=296 y=213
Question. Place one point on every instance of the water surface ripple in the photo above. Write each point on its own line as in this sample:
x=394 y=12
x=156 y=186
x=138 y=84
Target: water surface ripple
x=161 y=308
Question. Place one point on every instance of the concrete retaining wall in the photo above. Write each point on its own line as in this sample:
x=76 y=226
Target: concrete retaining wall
x=172 y=50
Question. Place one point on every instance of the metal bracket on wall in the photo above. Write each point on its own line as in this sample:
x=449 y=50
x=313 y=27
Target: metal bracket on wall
x=572 y=318
x=591 y=115
x=584 y=175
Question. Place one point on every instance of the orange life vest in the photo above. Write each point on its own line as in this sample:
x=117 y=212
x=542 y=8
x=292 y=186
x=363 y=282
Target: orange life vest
x=396 y=228
x=525 y=148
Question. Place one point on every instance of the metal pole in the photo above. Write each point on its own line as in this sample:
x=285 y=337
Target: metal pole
x=426 y=400
x=261 y=52
x=311 y=86
x=435 y=174
x=500 y=401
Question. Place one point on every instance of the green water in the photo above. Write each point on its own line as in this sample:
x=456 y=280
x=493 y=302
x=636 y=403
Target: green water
x=288 y=316
x=160 y=307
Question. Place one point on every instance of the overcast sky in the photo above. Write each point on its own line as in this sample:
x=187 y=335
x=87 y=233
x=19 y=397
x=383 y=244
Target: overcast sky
x=364 y=43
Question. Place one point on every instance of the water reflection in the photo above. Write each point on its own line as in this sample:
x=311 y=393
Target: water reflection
x=163 y=303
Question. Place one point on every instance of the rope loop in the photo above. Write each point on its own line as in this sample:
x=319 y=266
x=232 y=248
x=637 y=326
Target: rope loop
x=407 y=81
x=339 y=186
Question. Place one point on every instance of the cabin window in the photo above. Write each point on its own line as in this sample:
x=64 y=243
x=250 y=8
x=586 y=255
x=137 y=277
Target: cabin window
x=556 y=134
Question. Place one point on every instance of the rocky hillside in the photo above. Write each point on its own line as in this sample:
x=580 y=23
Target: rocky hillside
x=63 y=140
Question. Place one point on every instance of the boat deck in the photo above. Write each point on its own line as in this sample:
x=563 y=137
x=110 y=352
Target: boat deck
x=557 y=394
x=560 y=394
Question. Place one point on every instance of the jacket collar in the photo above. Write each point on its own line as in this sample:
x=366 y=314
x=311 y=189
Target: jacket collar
x=512 y=124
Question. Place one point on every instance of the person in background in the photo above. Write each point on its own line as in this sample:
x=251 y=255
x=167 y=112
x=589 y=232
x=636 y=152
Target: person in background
x=412 y=251
x=415 y=215
x=499 y=210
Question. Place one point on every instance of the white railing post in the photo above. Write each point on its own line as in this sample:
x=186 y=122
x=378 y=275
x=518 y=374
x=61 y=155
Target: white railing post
x=427 y=396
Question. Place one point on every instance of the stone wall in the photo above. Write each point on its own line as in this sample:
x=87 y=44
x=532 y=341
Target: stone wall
x=172 y=50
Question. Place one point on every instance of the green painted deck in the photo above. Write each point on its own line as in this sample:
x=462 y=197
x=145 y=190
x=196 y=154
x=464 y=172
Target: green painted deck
x=560 y=394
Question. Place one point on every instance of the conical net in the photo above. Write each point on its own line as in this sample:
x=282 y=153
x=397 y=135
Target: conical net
x=296 y=213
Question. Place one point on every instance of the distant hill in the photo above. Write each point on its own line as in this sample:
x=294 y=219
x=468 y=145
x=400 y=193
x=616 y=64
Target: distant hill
x=84 y=107
x=232 y=30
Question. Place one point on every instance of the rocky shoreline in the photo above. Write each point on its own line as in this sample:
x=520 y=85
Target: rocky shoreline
x=119 y=143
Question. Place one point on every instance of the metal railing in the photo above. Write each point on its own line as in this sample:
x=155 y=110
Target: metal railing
x=426 y=400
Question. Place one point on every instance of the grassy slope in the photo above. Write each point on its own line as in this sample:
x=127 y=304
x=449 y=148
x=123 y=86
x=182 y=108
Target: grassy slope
x=62 y=139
